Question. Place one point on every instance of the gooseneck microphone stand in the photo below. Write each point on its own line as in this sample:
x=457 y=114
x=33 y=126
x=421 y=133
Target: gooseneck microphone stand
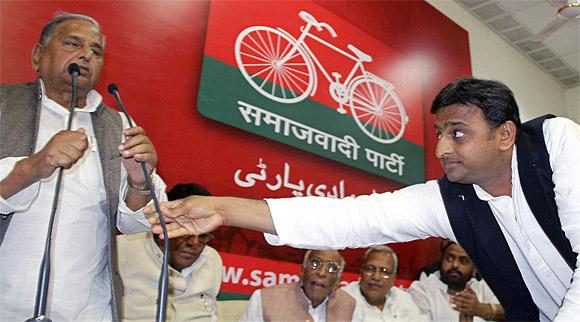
x=163 y=276
x=44 y=273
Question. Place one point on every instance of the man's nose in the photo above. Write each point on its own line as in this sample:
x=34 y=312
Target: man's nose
x=455 y=263
x=322 y=271
x=443 y=148
x=193 y=240
x=86 y=53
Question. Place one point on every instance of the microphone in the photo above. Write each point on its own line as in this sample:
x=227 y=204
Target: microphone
x=74 y=68
x=44 y=272
x=164 y=275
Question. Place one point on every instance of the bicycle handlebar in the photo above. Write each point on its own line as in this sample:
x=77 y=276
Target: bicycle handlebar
x=329 y=28
x=308 y=18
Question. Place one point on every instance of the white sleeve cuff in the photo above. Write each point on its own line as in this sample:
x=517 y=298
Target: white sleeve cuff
x=21 y=200
x=129 y=221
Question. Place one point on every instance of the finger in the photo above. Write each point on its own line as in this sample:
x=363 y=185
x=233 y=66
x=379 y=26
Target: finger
x=173 y=230
x=180 y=231
x=158 y=228
x=148 y=158
x=164 y=206
x=132 y=131
x=65 y=159
x=136 y=141
x=181 y=207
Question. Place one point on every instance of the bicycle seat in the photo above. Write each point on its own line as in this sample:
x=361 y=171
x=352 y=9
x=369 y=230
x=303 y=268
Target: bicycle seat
x=362 y=56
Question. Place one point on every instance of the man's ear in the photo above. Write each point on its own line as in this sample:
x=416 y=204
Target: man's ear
x=507 y=135
x=35 y=57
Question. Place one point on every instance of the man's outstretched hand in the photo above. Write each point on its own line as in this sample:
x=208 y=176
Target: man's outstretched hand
x=193 y=215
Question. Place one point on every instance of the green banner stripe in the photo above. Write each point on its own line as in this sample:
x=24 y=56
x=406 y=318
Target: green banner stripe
x=222 y=86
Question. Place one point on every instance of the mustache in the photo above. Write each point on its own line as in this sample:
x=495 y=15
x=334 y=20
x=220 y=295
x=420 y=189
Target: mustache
x=453 y=271
x=191 y=250
x=449 y=160
x=374 y=283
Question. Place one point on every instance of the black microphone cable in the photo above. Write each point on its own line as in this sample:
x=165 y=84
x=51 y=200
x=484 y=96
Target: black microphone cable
x=164 y=275
x=44 y=272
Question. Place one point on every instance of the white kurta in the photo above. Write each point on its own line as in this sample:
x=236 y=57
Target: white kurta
x=399 y=306
x=418 y=211
x=431 y=296
x=192 y=292
x=80 y=287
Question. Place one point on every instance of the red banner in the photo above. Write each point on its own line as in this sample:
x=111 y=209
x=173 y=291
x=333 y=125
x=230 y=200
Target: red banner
x=155 y=51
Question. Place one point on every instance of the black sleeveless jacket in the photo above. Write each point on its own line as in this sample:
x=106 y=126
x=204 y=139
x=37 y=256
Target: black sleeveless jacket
x=479 y=234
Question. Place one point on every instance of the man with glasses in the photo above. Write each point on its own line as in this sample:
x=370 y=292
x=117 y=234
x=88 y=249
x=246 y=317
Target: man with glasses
x=194 y=276
x=452 y=294
x=375 y=294
x=314 y=298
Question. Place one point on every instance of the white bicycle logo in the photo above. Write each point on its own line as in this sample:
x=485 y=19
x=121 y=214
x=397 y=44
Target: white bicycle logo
x=283 y=69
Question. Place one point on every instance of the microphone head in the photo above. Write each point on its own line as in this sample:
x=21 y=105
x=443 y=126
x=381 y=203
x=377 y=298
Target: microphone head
x=112 y=88
x=74 y=68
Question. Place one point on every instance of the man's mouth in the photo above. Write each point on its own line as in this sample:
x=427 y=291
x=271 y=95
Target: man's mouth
x=450 y=163
x=187 y=253
x=454 y=274
x=84 y=70
x=317 y=284
x=374 y=285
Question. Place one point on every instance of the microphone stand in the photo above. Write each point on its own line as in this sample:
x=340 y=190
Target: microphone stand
x=44 y=273
x=164 y=275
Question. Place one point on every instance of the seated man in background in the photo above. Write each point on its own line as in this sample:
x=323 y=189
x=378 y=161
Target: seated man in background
x=375 y=294
x=314 y=298
x=452 y=294
x=194 y=275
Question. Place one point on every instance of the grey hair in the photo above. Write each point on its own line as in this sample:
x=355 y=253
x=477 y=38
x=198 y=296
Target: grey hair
x=61 y=16
x=307 y=256
x=386 y=250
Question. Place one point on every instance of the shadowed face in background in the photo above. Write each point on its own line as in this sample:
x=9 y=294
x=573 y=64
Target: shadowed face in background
x=456 y=267
x=377 y=277
x=184 y=251
x=320 y=275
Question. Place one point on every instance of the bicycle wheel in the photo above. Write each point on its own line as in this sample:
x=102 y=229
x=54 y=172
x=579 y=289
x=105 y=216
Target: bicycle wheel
x=377 y=109
x=261 y=54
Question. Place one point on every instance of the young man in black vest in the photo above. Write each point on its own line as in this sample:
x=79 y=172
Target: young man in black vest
x=103 y=186
x=510 y=198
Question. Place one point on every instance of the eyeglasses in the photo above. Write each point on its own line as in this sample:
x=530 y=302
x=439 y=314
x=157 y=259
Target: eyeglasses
x=204 y=238
x=316 y=264
x=371 y=269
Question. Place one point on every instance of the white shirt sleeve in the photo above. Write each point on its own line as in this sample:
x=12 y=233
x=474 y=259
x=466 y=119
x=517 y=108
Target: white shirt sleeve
x=401 y=307
x=485 y=293
x=21 y=200
x=420 y=296
x=414 y=212
x=562 y=138
x=359 y=314
x=254 y=309
x=129 y=221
